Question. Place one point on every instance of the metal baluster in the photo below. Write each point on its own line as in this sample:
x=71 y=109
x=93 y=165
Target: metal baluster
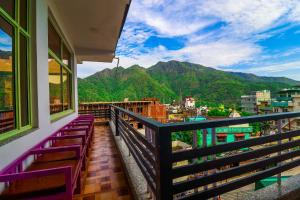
x=279 y=129
x=195 y=140
x=204 y=144
x=214 y=142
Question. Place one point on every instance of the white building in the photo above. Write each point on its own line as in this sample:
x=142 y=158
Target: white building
x=189 y=103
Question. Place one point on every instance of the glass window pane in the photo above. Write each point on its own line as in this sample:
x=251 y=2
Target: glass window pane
x=55 y=86
x=8 y=6
x=54 y=40
x=66 y=89
x=7 y=91
x=24 y=81
x=23 y=13
x=66 y=56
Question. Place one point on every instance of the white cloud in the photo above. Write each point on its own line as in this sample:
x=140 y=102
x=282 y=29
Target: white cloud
x=244 y=23
x=246 y=16
x=169 y=18
x=295 y=12
x=88 y=68
x=275 y=68
x=220 y=53
x=214 y=54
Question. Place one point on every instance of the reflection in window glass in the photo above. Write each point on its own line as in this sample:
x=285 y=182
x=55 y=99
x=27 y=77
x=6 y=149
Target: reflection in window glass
x=66 y=90
x=54 y=40
x=55 y=86
x=24 y=82
x=23 y=13
x=66 y=56
x=60 y=75
x=7 y=91
x=8 y=6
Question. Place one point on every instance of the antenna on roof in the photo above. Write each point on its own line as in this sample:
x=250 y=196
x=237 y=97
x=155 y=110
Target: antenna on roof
x=118 y=61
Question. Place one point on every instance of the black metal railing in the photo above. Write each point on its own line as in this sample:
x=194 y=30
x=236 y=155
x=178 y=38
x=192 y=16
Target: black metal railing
x=204 y=173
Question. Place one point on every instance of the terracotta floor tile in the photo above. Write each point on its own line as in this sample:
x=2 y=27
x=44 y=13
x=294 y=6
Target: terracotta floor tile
x=105 y=178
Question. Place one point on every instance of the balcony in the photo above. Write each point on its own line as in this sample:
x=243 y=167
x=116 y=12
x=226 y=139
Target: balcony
x=157 y=171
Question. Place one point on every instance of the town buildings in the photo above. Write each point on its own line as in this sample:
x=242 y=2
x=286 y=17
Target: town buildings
x=288 y=100
x=256 y=101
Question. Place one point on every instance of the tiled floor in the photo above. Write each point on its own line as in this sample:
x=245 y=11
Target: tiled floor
x=105 y=178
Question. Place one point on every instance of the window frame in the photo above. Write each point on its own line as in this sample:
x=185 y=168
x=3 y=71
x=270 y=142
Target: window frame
x=15 y=22
x=69 y=69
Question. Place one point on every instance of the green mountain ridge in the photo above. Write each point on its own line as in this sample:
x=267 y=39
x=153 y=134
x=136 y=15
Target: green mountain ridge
x=173 y=80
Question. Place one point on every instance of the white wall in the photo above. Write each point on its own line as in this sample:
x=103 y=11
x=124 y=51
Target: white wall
x=14 y=149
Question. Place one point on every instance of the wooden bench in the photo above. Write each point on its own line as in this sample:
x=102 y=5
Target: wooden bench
x=57 y=163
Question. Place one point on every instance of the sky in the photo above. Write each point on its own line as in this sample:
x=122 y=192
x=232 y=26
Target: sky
x=252 y=36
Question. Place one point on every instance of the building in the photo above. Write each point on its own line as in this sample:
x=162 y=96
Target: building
x=189 y=102
x=156 y=110
x=288 y=100
x=224 y=134
x=147 y=107
x=256 y=101
x=44 y=42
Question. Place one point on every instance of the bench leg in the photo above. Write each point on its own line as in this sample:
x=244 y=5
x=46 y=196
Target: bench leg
x=78 y=185
x=84 y=162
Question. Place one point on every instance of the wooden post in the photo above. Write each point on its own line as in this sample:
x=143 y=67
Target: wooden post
x=163 y=148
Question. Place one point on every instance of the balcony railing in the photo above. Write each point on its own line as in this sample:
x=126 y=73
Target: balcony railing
x=204 y=174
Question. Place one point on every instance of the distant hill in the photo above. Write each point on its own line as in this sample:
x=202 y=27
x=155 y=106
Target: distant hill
x=4 y=54
x=174 y=80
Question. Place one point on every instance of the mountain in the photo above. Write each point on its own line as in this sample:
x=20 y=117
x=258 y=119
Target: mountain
x=119 y=83
x=174 y=80
x=4 y=54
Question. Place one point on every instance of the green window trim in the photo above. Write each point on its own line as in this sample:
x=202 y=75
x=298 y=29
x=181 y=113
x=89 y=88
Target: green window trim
x=11 y=135
x=57 y=116
x=19 y=31
x=68 y=68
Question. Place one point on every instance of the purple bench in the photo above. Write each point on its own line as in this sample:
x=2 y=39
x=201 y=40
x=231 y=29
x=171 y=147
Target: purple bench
x=57 y=163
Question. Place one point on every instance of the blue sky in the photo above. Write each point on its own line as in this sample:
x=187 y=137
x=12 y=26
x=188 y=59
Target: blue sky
x=5 y=41
x=253 y=36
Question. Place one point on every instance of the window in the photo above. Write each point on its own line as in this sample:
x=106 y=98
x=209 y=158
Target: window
x=140 y=126
x=140 y=110
x=221 y=138
x=239 y=137
x=60 y=73
x=15 y=107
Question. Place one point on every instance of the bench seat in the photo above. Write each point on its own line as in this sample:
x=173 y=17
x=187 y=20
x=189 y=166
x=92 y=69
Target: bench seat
x=55 y=172
x=45 y=185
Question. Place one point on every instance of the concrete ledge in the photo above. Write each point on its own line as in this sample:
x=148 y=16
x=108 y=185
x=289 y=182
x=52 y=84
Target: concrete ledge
x=136 y=178
x=289 y=190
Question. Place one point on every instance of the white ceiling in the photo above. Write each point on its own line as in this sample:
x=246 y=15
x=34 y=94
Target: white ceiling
x=93 y=26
